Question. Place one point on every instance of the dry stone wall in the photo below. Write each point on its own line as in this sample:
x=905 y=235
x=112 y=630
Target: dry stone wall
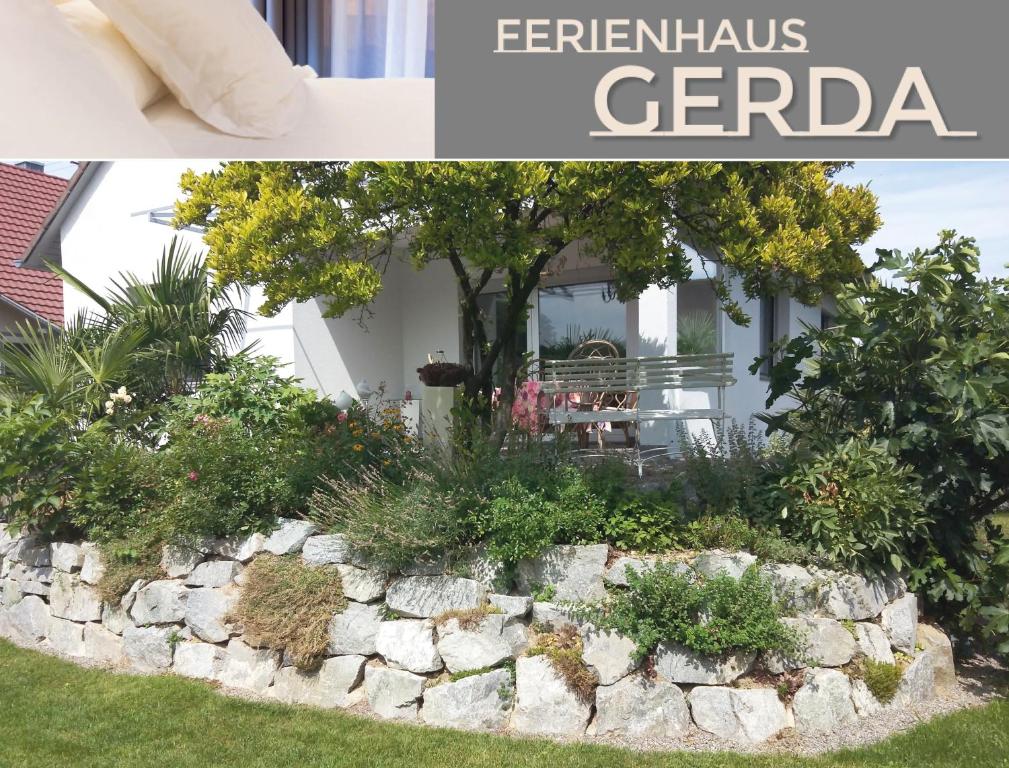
x=389 y=655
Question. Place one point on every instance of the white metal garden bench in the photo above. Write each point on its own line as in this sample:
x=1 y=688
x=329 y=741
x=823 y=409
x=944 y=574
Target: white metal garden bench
x=608 y=389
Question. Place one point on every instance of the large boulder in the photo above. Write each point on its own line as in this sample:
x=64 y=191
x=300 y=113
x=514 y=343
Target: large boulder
x=679 y=664
x=426 y=596
x=937 y=647
x=207 y=610
x=641 y=708
x=335 y=684
x=478 y=702
x=30 y=552
x=900 y=622
x=544 y=704
x=616 y=574
x=556 y=616
x=748 y=715
x=847 y=596
x=408 y=644
x=332 y=548
x=248 y=667
x=512 y=606
x=873 y=642
x=823 y=642
x=178 y=560
x=66 y=637
x=865 y=702
x=67 y=557
x=609 y=654
x=240 y=548
x=71 y=599
x=289 y=536
x=354 y=630
x=150 y=649
x=103 y=646
x=824 y=702
x=202 y=661
x=575 y=573
x=793 y=586
x=716 y=562
x=160 y=602
x=214 y=573
x=362 y=584
x=393 y=693
x=917 y=684
x=29 y=619
x=92 y=569
x=493 y=640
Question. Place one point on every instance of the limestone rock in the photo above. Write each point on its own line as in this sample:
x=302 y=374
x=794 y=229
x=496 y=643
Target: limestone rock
x=71 y=599
x=240 y=548
x=408 y=644
x=393 y=693
x=160 y=602
x=67 y=637
x=426 y=567
x=362 y=584
x=865 y=703
x=556 y=616
x=576 y=573
x=102 y=645
x=202 y=661
x=495 y=639
x=28 y=551
x=716 y=562
x=333 y=685
x=116 y=618
x=512 y=606
x=29 y=619
x=616 y=574
x=825 y=642
x=823 y=703
x=247 y=667
x=793 y=586
x=849 y=596
x=643 y=708
x=178 y=560
x=900 y=622
x=206 y=613
x=332 y=548
x=609 y=654
x=479 y=702
x=544 y=704
x=92 y=568
x=354 y=630
x=149 y=649
x=917 y=684
x=67 y=557
x=873 y=642
x=489 y=571
x=289 y=536
x=425 y=596
x=679 y=664
x=747 y=715
x=939 y=649
x=214 y=573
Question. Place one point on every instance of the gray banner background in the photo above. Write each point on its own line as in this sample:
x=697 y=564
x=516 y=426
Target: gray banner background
x=542 y=105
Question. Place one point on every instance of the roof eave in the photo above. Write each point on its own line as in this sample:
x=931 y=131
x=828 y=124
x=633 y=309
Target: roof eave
x=45 y=246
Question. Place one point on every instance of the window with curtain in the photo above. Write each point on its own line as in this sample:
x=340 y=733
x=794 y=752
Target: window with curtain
x=356 y=38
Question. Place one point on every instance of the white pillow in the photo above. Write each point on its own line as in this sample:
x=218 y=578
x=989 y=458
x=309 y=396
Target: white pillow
x=59 y=100
x=115 y=52
x=219 y=58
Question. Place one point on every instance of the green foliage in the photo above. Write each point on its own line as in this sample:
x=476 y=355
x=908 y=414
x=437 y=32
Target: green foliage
x=695 y=334
x=881 y=679
x=710 y=616
x=920 y=363
x=734 y=533
x=646 y=521
x=856 y=505
x=288 y=605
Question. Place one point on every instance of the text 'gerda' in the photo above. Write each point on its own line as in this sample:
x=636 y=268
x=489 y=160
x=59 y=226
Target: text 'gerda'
x=722 y=102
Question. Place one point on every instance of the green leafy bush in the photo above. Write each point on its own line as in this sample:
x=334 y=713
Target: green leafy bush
x=856 y=505
x=710 y=616
x=648 y=521
x=734 y=533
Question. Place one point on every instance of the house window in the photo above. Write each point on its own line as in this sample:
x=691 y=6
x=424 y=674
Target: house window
x=696 y=310
x=493 y=307
x=570 y=315
x=768 y=332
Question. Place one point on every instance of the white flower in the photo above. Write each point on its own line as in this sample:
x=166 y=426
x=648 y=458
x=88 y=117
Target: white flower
x=128 y=399
x=110 y=407
x=121 y=392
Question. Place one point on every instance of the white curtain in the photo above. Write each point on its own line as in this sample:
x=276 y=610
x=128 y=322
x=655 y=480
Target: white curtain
x=356 y=38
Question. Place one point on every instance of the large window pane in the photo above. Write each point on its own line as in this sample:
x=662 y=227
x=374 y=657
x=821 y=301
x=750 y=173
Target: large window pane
x=570 y=315
x=493 y=308
x=696 y=310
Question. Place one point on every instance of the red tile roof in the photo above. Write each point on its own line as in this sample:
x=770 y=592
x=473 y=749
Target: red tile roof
x=26 y=199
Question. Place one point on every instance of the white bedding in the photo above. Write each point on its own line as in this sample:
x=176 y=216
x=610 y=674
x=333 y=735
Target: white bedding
x=344 y=119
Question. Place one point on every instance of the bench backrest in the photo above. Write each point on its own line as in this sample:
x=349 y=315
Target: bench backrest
x=636 y=374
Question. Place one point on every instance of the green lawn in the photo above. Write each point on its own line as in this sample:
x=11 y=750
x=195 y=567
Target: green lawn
x=55 y=714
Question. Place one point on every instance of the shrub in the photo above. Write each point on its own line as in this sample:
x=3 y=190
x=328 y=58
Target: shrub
x=649 y=521
x=880 y=678
x=710 y=616
x=856 y=505
x=734 y=533
x=563 y=649
x=287 y=605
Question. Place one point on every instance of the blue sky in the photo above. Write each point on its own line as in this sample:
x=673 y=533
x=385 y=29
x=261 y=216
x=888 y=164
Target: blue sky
x=917 y=199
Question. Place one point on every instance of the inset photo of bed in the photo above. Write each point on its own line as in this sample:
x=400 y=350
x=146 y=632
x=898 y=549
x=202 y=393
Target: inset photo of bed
x=258 y=79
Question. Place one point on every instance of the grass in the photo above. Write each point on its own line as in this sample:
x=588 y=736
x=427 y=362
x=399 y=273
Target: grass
x=54 y=714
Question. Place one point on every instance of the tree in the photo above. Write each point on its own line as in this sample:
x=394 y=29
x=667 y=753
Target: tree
x=303 y=230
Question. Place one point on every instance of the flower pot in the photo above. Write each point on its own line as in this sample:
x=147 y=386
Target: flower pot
x=436 y=415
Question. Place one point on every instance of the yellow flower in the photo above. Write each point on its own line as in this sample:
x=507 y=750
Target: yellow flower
x=358 y=447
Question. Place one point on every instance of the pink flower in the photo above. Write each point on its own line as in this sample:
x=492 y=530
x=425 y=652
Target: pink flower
x=193 y=476
x=341 y=416
x=202 y=419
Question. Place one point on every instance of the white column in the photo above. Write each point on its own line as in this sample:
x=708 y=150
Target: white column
x=656 y=337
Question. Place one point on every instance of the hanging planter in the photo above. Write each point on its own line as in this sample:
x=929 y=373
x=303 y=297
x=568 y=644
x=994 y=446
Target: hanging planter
x=440 y=380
